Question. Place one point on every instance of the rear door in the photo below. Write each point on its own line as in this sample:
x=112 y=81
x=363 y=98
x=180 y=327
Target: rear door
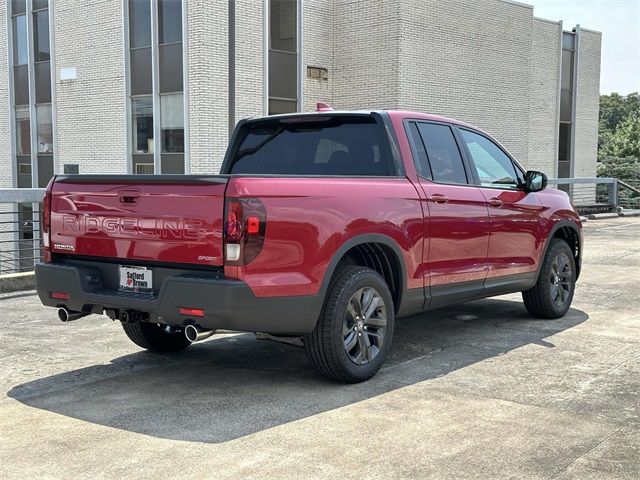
x=457 y=214
x=171 y=219
x=515 y=214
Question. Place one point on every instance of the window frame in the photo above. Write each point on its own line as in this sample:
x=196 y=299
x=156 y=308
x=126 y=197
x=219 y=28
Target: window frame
x=471 y=179
x=517 y=167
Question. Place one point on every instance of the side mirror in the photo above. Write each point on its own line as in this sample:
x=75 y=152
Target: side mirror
x=535 y=181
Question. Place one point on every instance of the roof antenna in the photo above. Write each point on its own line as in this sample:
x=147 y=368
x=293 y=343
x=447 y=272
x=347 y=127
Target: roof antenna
x=323 y=107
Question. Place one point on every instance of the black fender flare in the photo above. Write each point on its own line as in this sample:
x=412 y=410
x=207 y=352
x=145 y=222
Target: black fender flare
x=360 y=240
x=557 y=226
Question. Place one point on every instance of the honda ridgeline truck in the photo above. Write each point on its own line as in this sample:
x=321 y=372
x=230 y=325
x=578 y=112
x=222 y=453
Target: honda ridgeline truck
x=324 y=226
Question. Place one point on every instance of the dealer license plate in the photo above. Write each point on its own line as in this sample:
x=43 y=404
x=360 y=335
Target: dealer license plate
x=136 y=279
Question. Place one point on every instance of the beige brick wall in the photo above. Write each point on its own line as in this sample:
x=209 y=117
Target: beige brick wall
x=471 y=61
x=587 y=103
x=543 y=120
x=5 y=102
x=250 y=47
x=91 y=110
x=366 y=70
x=318 y=50
x=207 y=65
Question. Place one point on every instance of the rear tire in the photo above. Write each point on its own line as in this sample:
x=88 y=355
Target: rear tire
x=553 y=292
x=151 y=336
x=355 y=328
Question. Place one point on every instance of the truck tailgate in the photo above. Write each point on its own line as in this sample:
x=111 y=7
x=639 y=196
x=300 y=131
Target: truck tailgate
x=173 y=219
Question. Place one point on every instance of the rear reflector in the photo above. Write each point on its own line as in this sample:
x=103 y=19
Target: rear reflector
x=194 y=312
x=60 y=295
x=253 y=225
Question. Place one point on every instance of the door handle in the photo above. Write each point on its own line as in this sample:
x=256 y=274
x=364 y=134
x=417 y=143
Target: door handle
x=496 y=202
x=438 y=198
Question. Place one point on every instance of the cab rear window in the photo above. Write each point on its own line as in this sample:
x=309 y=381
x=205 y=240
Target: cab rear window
x=351 y=146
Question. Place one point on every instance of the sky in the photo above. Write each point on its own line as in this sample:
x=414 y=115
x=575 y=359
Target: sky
x=619 y=22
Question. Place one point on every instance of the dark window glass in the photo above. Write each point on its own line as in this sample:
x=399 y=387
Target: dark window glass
x=45 y=170
x=141 y=82
x=43 y=82
x=283 y=25
x=143 y=164
x=20 y=40
x=336 y=146
x=139 y=23
x=564 y=169
x=39 y=4
x=21 y=85
x=170 y=68
x=567 y=70
x=494 y=167
x=41 y=36
x=421 y=161
x=142 y=121
x=172 y=163
x=172 y=123
x=24 y=171
x=25 y=229
x=283 y=76
x=45 y=129
x=568 y=41
x=444 y=157
x=169 y=21
x=282 y=106
x=566 y=105
x=18 y=6
x=564 y=144
x=23 y=138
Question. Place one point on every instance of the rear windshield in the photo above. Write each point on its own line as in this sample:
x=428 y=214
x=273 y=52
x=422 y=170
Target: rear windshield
x=322 y=146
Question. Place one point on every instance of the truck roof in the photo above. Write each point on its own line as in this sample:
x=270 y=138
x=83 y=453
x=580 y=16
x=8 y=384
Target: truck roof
x=401 y=114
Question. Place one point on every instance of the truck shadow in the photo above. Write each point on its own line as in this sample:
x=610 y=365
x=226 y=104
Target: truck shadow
x=234 y=386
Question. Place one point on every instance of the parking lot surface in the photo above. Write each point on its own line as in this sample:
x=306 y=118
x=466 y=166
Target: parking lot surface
x=478 y=390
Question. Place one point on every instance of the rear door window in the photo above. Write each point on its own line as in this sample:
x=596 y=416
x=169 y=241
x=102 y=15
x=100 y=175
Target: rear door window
x=351 y=146
x=442 y=154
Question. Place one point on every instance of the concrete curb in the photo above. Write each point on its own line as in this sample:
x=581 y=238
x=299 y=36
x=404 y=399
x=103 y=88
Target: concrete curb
x=15 y=282
x=630 y=213
x=602 y=216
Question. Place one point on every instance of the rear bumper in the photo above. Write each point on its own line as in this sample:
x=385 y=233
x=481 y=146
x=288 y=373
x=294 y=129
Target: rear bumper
x=228 y=304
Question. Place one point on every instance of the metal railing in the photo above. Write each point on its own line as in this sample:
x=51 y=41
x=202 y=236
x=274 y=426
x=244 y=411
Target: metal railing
x=589 y=195
x=20 y=239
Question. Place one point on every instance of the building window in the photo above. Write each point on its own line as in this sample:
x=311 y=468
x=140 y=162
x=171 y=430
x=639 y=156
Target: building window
x=565 y=144
x=156 y=86
x=34 y=161
x=283 y=56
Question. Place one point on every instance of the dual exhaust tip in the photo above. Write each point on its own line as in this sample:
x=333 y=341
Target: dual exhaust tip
x=193 y=333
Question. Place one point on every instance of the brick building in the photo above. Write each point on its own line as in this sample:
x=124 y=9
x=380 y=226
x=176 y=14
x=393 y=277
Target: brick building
x=144 y=86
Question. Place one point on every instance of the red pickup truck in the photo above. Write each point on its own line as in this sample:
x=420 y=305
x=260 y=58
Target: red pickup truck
x=323 y=226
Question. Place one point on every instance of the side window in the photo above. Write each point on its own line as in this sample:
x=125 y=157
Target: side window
x=442 y=153
x=494 y=167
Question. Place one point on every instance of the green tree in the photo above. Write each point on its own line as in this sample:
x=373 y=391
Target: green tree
x=619 y=112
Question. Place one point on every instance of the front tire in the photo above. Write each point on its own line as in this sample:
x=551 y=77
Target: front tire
x=151 y=336
x=552 y=294
x=355 y=328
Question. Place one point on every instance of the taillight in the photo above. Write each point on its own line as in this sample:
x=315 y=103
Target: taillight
x=45 y=224
x=244 y=229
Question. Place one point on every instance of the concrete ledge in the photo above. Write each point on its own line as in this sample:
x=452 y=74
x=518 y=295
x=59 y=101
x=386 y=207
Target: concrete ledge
x=630 y=213
x=601 y=216
x=14 y=282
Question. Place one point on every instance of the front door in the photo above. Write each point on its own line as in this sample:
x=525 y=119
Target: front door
x=514 y=245
x=458 y=217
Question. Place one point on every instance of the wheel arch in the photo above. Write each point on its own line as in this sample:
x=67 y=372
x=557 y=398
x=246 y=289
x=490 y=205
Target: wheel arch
x=376 y=251
x=567 y=231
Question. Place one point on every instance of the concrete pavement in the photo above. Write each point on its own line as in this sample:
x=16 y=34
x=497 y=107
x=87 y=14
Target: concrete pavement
x=474 y=391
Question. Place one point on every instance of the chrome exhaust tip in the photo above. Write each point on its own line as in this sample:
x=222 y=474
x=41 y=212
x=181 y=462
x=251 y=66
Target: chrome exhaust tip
x=195 y=333
x=66 y=315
